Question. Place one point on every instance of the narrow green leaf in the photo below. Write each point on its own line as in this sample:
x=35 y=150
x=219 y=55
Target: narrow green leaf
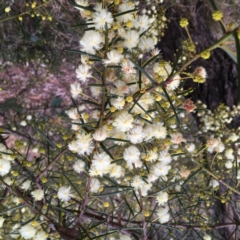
x=143 y=71
x=81 y=24
x=143 y=33
x=238 y=62
x=82 y=7
x=126 y=12
x=89 y=29
x=111 y=180
x=91 y=102
x=14 y=208
x=230 y=53
x=170 y=101
x=191 y=176
x=164 y=189
x=45 y=137
x=95 y=85
x=106 y=150
x=73 y=186
x=112 y=193
x=140 y=75
x=128 y=205
x=135 y=102
x=106 y=234
x=151 y=59
x=61 y=209
x=84 y=53
x=118 y=139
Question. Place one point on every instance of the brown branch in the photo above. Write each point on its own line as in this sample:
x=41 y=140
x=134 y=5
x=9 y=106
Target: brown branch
x=85 y=201
x=144 y=225
x=51 y=164
x=19 y=194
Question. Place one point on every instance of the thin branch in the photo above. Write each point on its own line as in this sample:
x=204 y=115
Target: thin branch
x=51 y=164
x=85 y=201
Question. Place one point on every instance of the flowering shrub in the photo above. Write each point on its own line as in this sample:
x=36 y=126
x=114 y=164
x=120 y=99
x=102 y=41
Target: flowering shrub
x=136 y=165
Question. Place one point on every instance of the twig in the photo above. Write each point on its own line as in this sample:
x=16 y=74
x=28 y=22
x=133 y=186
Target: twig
x=18 y=193
x=85 y=201
x=51 y=164
x=144 y=220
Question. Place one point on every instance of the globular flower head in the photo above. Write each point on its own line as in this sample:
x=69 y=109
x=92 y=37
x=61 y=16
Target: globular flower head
x=101 y=18
x=26 y=185
x=142 y=22
x=124 y=7
x=131 y=154
x=165 y=157
x=2 y=219
x=184 y=22
x=100 y=134
x=27 y=231
x=177 y=138
x=137 y=182
x=101 y=161
x=174 y=83
x=214 y=183
x=217 y=15
x=64 y=193
x=75 y=89
x=113 y=58
x=95 y=185
x=131 y=38
x=188 y=105
x=83 y=144
x=136 y=135
x=37 y=194
x=163 y=215
x=162 y=198
x=123 y=121
x=5 y=167
x=91 y=41
x=79 y=166
x=205 y=54
x=83 y=72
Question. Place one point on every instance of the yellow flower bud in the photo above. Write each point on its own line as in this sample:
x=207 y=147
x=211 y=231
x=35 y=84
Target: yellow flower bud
x=20 y=18
x=15 y=173
x=129 y=99
x=184 y=22
x=199 y=79
x=7 y=9
x=106 y=204
x=85 y=116
x=129 y=24
x=59 y=145
x=205 y=54
x=34 y=223
x=112 y=109
x=217 y=15
x=158 y=98
x=146 y=214
x=120 y=49
x=28 y=164
x=44 y=180
x=115 y=26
